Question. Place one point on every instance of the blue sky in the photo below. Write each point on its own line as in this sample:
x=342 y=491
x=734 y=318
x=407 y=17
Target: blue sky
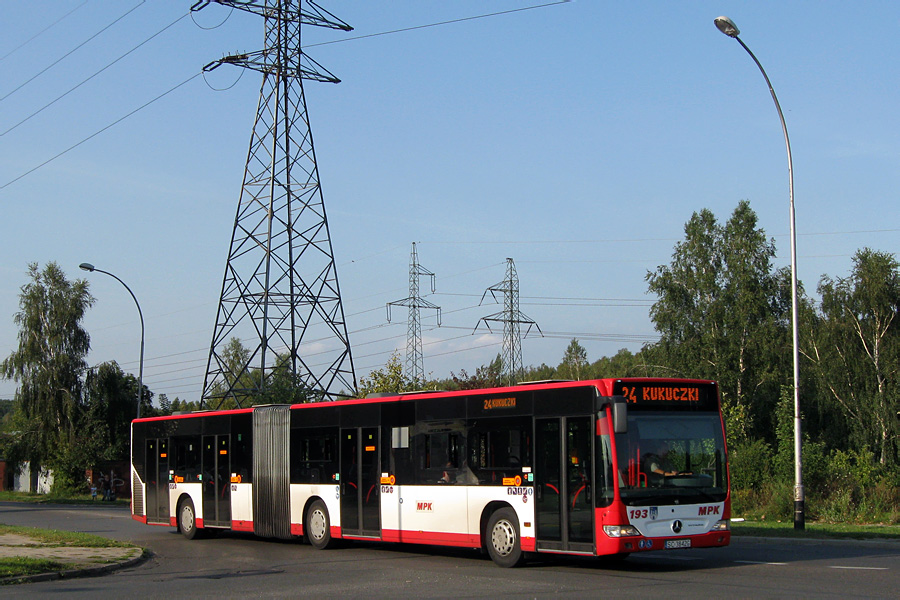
x=576 y=138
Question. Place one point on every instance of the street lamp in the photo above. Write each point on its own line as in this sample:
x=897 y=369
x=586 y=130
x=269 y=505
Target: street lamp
x=91 y=268
x=728 y=27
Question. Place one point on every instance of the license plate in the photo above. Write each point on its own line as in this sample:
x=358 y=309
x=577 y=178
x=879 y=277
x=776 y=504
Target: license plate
x=678 y=544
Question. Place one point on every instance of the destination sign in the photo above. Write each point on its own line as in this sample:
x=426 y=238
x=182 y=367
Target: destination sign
x=675 y=394
x=495 y=403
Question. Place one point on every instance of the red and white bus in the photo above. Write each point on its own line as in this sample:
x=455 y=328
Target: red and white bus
x=602 y=467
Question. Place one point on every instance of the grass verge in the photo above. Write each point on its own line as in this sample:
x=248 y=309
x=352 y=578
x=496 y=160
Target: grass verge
x=817 y=530
x=8 y=496
x=54 y=537
x=16 y=566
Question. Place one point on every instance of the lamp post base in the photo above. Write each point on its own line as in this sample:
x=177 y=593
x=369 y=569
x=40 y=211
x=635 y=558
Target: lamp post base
x=799 y=515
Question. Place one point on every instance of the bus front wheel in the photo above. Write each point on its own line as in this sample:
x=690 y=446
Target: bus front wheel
x=503 y=541
x=318 y=526
x=187 y=519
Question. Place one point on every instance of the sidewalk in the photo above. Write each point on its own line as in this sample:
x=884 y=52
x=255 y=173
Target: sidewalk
x=78 y=561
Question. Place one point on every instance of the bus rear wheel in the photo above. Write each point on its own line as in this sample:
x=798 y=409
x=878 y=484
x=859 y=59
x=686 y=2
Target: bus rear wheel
x=503 y=541
x=187 y=519
x=318 y=526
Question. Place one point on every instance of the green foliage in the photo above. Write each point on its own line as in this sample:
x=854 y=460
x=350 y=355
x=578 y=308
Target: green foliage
x=17 y=566
x=486 y=376
x=177 y=405
x=750 y=465
x=574 y=365
x=774 y=501
x=280 y=384
x=111 y=404
x=722 y=312
x=857 y=350
x=624 y=363
x=390 y=380
x=48 y=362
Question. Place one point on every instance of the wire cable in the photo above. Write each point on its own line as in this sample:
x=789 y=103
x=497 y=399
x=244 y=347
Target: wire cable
x=460 y=20
x=67 y=54
x=95 y=134
x=35 y=36
x=72 y=89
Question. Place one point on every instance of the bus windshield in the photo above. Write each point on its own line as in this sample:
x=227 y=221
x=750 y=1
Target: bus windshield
x=671 y=458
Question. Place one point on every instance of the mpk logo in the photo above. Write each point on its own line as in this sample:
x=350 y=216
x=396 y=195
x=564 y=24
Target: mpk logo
x=424 y=507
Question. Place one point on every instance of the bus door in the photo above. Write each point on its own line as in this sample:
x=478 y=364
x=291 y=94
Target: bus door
x=563 y=484
x=157 y=472
x=216 y=480
x=360 y=479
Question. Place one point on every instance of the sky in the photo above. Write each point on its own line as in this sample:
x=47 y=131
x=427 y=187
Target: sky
x=576 y=138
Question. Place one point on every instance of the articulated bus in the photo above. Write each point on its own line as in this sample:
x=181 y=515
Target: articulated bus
x=592 y=468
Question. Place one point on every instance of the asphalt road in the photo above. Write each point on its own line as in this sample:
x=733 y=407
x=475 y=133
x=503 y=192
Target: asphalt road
x=238 y=565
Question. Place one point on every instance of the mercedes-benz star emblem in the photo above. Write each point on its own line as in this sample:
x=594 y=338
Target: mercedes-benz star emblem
x=676 y=526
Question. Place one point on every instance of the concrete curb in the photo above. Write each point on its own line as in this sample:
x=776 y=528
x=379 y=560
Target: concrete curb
x=77 y=573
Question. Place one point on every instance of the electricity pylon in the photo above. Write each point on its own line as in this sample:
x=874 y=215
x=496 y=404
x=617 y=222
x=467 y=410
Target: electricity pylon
x=415 y=362
x=512 y=319
x=280 y=290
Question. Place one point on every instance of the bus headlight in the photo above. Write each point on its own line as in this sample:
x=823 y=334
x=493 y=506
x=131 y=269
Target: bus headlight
x=618 y=531
x=722 y=525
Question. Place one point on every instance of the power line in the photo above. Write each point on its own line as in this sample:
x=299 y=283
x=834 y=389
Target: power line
x=69 y=53
x=416 y=27
x=35 y=36
x=95 y=134
x=72 y=89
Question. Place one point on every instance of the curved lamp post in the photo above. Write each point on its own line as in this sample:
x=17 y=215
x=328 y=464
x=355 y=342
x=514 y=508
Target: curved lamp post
x=92 y=268
x=728 y=27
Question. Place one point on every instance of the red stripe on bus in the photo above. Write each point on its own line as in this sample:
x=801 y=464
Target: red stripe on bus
x=464 y=540
x=296 y=529
x=242 y=525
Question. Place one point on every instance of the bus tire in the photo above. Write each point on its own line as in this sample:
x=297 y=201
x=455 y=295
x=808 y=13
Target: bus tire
x=187 y=519
x=317 y=526
x=503 y=542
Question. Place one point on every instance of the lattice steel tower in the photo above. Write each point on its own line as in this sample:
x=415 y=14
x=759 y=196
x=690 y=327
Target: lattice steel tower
x=415 y=362
x=280 y=291
x=512 y=319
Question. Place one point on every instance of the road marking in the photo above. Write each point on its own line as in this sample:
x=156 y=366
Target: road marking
x=859 y=568
x=760 y=562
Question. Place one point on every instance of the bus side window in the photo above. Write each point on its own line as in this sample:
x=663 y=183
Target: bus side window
x=313 y=456
x=187 y=459
x=499 y=448
x=438 y=448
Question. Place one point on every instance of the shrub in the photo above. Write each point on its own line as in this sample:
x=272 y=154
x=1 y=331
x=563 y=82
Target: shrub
x=750 y=464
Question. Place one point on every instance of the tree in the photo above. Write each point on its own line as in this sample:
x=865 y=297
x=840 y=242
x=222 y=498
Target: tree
x=391 y=379
x=722 y=313
x=857 y=349
x=486 y=376
x=625 y=363
x=110 y=405
x=238 y=377
x=48 y=362
x=575 y=362
x=283 y=386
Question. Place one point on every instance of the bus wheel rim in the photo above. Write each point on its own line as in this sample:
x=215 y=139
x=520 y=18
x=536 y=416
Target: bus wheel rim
x=317 y=524
x=187 y=518
x=503 y=537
